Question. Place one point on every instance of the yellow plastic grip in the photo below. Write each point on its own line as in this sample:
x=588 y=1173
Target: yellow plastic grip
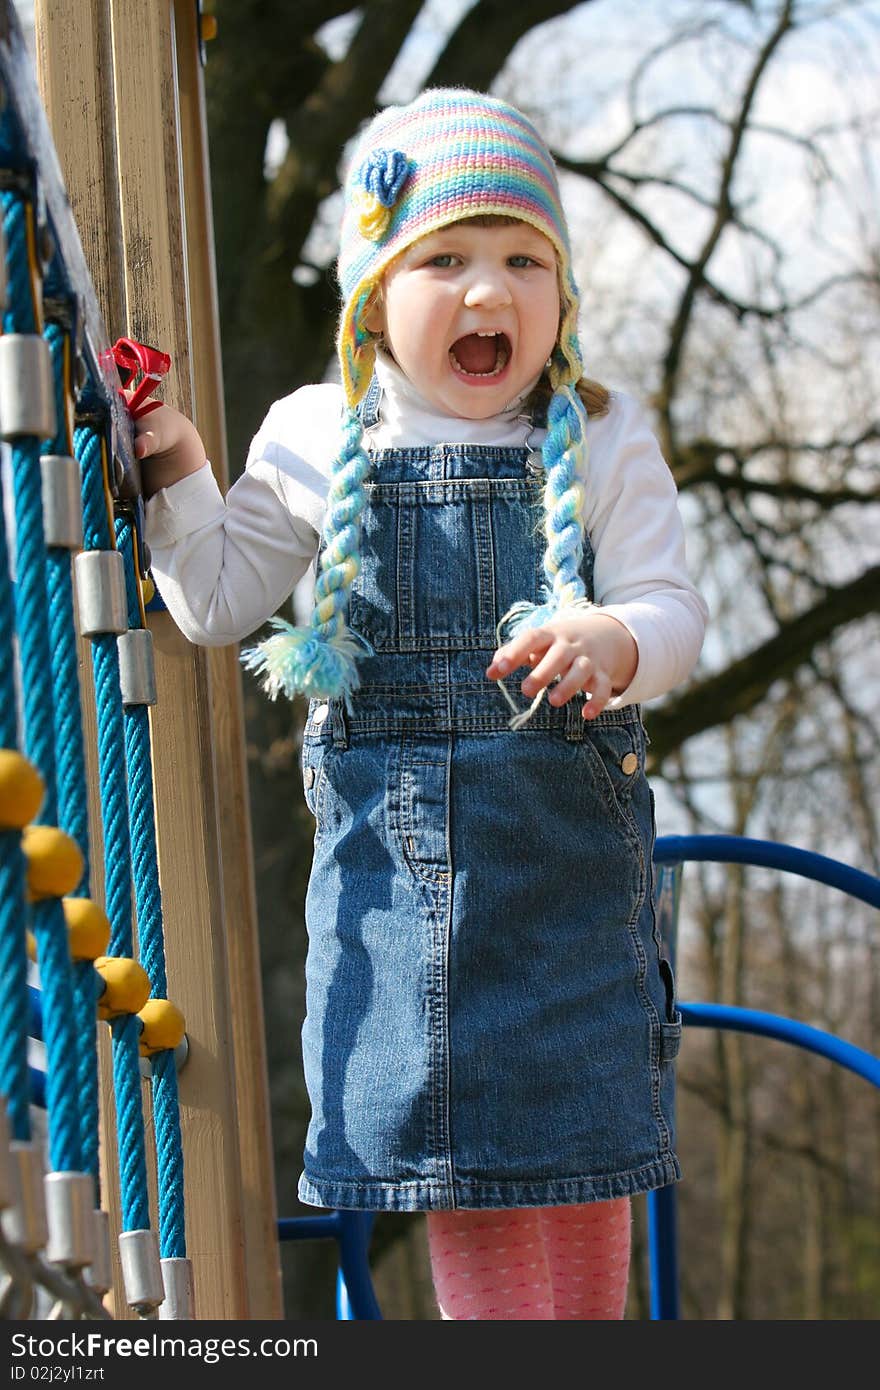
x=21 y=790
x=126 y=986
x=88 y=928
x=164 y=1026
x=54 y=862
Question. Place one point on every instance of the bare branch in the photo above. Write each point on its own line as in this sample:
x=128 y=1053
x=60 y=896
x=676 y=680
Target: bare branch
x=740 y=686
x=680 y=324
x=478 y=49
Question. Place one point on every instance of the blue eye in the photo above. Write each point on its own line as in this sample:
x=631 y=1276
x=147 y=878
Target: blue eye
x=520 y=262
x=442 y=262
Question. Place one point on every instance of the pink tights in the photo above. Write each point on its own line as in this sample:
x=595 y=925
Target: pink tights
x=533 y=1263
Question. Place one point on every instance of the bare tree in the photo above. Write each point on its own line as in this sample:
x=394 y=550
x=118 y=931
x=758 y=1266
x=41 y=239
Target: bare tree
x=724 y=214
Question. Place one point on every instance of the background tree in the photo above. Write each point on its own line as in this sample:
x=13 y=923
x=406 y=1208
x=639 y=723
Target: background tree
x=720 y=170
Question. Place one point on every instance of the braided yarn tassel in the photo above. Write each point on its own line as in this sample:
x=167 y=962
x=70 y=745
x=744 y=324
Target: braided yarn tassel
x=564 y=452
x=321 y=660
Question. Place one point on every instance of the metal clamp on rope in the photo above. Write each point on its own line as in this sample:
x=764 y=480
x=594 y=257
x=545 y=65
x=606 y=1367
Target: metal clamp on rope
x=62 y=501
x=137 y=670
x=27 y=391
x=100 y=592
x=141 y=1270
x=70 y=1203
x=180 y=1299
x=99 y=1274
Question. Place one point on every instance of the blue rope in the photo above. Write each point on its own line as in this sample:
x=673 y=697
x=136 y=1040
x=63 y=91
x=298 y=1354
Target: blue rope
x=49 y=925
x=117 y=852
x=111 y=738
x=169 y=1148
x=70 y=751
x=86 y=983
x=13 y=909
x=114 y=798
x=126 y=1031
x=169 y=1158
x=13 y=986
x=96 y=527
x=70 y=754
x=140 y=771
x=8 y=700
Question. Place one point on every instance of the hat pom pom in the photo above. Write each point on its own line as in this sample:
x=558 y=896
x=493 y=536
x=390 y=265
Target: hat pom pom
x=373 y=218
x=300 y=661
x=381 y=176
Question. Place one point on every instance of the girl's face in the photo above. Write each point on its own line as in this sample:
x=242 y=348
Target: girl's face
x=471 y=315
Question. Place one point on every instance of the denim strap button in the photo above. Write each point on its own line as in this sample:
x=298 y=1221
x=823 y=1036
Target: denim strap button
x=628 y=763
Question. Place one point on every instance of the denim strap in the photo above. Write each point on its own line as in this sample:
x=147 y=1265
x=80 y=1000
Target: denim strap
x=368 y=409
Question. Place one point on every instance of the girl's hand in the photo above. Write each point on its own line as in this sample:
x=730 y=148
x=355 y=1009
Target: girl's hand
x=586 y=651
x=168 y=446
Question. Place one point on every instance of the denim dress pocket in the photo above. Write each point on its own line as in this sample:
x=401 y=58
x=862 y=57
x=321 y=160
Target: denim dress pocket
x=313 y=775
x=670 y=1026
x=617 y=754
x=317 y=752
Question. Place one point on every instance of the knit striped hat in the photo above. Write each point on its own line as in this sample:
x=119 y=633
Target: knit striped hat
x=449 y=155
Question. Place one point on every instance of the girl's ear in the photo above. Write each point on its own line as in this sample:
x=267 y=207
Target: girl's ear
x=373 y=314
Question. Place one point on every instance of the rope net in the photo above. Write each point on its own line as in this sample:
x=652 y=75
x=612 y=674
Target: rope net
x=74 y=951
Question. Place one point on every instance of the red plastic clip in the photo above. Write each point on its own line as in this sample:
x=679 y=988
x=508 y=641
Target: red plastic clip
x=132 y=357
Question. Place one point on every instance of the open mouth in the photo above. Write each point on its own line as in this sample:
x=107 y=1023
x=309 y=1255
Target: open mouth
x=480 y=356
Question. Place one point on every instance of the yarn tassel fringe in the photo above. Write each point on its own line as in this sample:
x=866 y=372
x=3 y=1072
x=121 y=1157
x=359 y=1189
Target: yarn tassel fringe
x=301 y=661
x=522 y=617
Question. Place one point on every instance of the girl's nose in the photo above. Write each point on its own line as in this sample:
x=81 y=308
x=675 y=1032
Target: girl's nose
x=488 y=289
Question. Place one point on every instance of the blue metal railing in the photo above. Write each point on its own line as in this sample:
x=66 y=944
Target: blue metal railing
x=355 y=1298
x=670 y=854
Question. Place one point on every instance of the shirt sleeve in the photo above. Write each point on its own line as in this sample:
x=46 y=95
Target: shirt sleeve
x=224 y=565
x=637 y=535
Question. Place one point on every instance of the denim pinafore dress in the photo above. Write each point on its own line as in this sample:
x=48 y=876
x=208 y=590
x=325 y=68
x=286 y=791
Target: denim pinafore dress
x=489 y=1021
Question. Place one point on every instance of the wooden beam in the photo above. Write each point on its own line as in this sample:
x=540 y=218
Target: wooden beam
x=259 y=1204
x=136 y=173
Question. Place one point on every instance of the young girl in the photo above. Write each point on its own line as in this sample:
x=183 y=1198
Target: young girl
x=490 y=1025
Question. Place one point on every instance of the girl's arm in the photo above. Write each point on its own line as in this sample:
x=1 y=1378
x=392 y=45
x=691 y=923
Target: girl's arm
x=583 y=651
x=644 y=635
x=225 y=564
x=168 y=446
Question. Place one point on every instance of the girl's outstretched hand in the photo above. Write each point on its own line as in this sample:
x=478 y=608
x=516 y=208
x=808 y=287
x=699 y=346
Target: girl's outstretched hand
x=168 y=446
x=582 y=651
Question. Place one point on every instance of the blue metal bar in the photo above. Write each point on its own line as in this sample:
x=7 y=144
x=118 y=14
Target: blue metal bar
x=739 y=849
x=355 y=1298
x=38 y=1087
x=668 y=897
x=344 y=1311
x=35 y=1013
x=663 y=1253
x=670 y=853
x=788 y=1030
x=309 y=1227
x=662 y=1204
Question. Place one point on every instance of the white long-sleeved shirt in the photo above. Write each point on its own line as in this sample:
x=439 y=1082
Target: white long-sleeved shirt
x=224 y=565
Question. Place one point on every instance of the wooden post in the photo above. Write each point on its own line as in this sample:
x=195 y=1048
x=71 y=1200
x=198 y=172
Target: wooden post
x=259 y=1205
x=139 y=162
